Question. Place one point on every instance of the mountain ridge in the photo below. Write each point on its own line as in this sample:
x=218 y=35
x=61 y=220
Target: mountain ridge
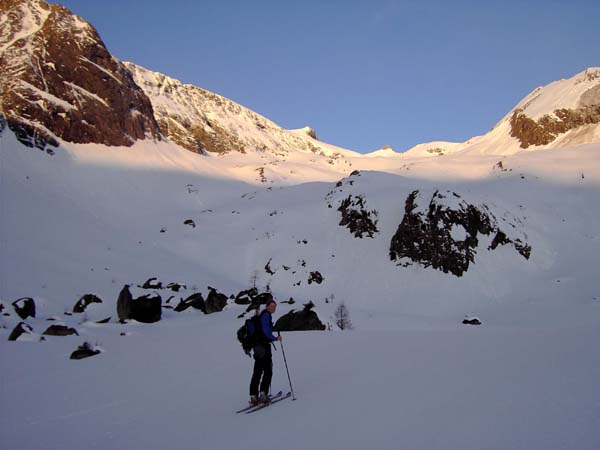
x=67 y=86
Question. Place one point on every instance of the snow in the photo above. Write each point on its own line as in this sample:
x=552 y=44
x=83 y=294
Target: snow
x=79 y=90
x=32 y=20
x=102 y=69
x=47 y=96
x=409 y=375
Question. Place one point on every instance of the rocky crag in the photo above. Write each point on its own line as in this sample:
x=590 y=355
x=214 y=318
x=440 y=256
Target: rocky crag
x=58 y=80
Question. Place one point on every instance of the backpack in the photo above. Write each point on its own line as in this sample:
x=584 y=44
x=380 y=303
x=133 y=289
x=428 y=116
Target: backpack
x=248 y=333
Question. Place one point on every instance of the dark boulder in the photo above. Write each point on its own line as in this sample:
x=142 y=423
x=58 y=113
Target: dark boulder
x=471 y=321
x=315 y=277
x=60 y=330
x=124 y=304
x=84 y=351
x=84 y=301
x=190 y=222
x=260 y=299
x=152 y=283
x=215 y=301
x=195 y=301
x=246 y=297
x=147 y=308
x=24 y=307
x=21 y=328
x=304 y=320
x=175 y=287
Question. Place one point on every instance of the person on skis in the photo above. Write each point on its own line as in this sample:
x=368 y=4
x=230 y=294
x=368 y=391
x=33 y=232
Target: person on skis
x=263 y=360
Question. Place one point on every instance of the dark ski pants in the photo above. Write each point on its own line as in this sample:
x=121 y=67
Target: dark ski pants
x=263 y=367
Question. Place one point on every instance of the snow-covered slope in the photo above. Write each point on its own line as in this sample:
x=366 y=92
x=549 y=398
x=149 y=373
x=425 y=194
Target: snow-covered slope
x=91 y=219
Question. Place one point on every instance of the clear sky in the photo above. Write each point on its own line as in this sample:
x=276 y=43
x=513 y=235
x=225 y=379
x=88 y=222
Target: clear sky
x=363 y=74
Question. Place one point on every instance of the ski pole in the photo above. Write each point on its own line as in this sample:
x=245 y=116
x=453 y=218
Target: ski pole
x=286 y=367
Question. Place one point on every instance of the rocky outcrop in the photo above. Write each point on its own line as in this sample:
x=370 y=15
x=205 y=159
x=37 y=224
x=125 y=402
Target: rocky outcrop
x=304 y=320
x=550 y=126
x=445 y=237
x=357 y=218
x=84 y=302
x=58 y=80
x=24 y=307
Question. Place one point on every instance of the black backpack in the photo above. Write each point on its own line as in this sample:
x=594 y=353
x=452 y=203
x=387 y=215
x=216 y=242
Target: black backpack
x=247 y=334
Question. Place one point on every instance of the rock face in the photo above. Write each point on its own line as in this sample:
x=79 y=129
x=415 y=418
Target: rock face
x=57 y=79
x=549 y=127
x=446 y=237
x=304 y=320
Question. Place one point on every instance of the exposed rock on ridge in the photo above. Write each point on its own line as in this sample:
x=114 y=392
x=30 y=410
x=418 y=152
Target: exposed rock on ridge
x=202 y=121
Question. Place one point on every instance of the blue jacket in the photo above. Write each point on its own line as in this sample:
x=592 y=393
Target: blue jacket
x=267 y=326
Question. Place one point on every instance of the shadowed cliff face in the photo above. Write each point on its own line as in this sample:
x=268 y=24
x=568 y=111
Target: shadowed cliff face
x=57 y=79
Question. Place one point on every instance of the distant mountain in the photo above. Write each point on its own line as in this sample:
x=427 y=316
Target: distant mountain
x=58 y=80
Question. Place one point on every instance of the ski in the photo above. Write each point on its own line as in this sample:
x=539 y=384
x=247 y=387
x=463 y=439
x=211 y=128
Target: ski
x=264 y=405
x=271 y=397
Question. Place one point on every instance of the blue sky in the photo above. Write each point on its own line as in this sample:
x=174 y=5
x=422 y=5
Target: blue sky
x=363 y=74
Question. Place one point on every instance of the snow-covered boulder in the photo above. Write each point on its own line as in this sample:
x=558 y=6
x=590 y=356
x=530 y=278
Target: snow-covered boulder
x=304 y=320
x=84 y=302
x=60 y=330
x=21 y=329
x=24 y=307
x=84 y=351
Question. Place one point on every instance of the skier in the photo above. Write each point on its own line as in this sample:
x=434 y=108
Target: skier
x=263 y=361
